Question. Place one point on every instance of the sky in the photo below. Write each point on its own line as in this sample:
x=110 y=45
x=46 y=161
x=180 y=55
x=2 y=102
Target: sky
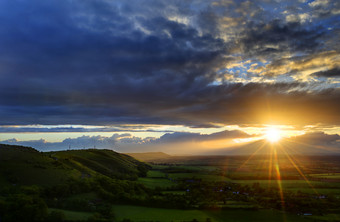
x=131 y=75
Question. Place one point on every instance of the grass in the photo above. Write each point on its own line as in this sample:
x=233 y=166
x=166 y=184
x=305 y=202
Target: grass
x=73 y=215
x=26 y=166
x=204 y=177
x=106 y=162
x=156 y=182
x=324 y=191
x=327 y=217
x=155 y=173
x=326 y=175
x=137 y=213
x=159 y=167
x=287 y=183
x=197 y=168
x=178 y=192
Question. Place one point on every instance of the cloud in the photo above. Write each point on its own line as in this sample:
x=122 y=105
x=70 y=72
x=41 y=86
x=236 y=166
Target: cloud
x=178 y=137
x=126 y=141
x=331 y=73
x=194 y=106
x=58 y=129
x=83 y=142
x=317 y=3
x=319 y=138
x=275 y=37
x=188 y=143
x=160 y=62
x=303 y=67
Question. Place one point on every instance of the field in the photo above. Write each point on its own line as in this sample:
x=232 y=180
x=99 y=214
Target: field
x=315 y=178
x=156 y=182
x=136 y=213
x=73 y=215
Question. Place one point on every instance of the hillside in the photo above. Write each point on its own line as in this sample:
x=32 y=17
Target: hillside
x=149 y=156
x=27 y=166
x=106 y=162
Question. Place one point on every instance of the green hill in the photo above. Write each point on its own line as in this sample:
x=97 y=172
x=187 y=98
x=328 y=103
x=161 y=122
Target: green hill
x=150 y=156
x=27 y=166
x=105 y=162
x=37 y=186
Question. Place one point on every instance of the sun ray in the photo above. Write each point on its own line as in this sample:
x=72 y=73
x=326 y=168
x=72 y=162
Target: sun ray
x=299 y=171
x=251 y=156
x=278 y=179
x=313 y=145
x=270 y=167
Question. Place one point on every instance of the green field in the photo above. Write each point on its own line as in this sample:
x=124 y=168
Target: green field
x=156 y=182
x=202 y=176
x=73 y=215
x=301 y=185
x=156 y=174
x=326 y=175
x=136 y=213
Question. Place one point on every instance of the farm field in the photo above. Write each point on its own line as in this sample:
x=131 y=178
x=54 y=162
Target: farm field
x=248 y=177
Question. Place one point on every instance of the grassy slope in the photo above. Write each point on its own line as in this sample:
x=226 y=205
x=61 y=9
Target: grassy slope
x=105 y=162
x=26 y=166
x=149 y=156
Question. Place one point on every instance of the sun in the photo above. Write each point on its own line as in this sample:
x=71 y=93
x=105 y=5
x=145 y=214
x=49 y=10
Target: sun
x=273 y=135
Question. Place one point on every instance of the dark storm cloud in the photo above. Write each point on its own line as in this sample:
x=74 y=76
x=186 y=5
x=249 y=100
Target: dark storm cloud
x=331 y=73
x=267 y=39
x=45 y=129
x=111 y=62
x=61 y=59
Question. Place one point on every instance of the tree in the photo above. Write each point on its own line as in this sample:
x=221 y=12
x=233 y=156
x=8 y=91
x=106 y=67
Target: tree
x=22 y=207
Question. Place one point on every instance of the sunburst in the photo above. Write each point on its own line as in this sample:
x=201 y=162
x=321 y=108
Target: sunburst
x=273 y=135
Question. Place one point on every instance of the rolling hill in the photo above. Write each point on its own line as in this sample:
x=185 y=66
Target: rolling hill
x=149 y=156
x=27 y=166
